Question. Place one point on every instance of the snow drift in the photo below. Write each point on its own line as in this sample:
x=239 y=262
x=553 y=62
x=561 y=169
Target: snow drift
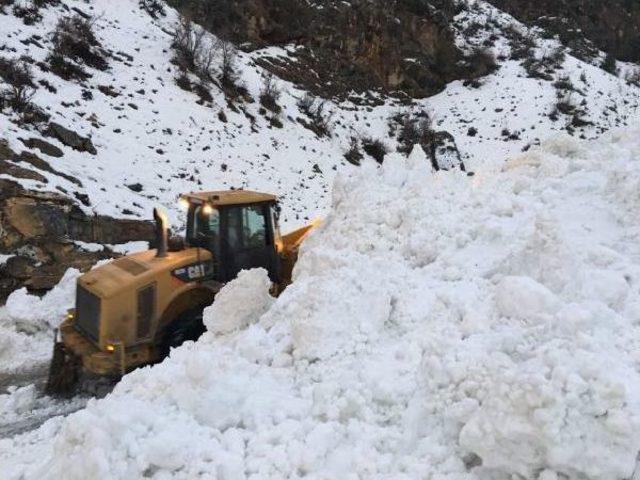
x=27 y=322
x=439 y=326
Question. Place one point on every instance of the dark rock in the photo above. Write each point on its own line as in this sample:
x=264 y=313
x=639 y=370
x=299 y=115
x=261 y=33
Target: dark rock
x=37 y=162
x=44 y=146
x=135 y=187
x=108 y=90
x=37 y=227
x=19 y=267
x=7 y=168
x=70 y=138
x=359 y=46
x=83 y=198
x=612 y=26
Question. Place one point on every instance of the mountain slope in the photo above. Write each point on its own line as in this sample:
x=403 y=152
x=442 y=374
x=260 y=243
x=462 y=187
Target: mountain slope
x=153 y=133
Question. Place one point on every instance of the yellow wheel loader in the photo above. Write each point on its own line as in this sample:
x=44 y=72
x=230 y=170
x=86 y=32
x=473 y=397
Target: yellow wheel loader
x=133 y=310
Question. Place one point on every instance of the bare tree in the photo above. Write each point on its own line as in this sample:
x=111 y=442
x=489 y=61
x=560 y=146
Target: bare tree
x=194 y=50
x=270 y=93
x=228 y=74
x=316 y=110
x=21 y=89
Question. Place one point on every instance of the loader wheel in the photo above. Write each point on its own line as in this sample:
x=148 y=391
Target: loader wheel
x=188 y=326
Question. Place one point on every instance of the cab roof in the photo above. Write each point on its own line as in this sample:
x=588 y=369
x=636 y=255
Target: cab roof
x=229 y=197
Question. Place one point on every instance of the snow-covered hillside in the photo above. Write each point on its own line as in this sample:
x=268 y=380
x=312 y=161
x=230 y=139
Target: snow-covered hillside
x=150 y=133
x=439 y=326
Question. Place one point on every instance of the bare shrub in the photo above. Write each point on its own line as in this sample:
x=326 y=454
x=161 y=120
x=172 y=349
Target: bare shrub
x=183 y=81
x=202 y=90
x=306 y=103
x=316 y=110
x=270 y=94
x=564 y=83
x=21 y=87
x=195 y=52
x=28 y=12
x=375 y=148
x=555 y=58
x=65 y=69
x=228 y=74
x=5 y=3
x=353 y=154
x=566 y=105
x=188 y=45
x=480 y=62
x=633 y=77
x=154 y=8
x=75 y=40
x=537 y=68
x=609 y=64
x=414 y=130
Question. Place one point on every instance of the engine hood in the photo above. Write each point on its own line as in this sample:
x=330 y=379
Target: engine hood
x=136 y=270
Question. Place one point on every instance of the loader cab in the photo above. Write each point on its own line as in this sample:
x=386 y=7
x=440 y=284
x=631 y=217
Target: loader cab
x=239 y=228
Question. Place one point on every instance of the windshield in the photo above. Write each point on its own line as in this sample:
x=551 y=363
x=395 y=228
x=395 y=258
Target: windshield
x=204 y=227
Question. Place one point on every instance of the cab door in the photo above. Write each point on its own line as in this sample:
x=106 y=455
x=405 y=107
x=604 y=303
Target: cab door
x=249 y=241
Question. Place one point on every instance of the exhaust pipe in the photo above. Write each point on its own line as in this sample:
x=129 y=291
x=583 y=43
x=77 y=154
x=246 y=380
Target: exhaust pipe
x=162 y=232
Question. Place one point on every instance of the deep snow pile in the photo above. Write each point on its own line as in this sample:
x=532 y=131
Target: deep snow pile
x=439 y=326
x=27 y=323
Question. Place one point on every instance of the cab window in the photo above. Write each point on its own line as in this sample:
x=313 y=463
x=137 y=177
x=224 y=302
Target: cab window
x=247 y=227
x=204 y=228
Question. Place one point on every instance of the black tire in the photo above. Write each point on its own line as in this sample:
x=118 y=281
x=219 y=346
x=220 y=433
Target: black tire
x=188 y=326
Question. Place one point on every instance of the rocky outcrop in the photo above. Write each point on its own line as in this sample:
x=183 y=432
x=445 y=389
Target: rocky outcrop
x=362 y=45
x=38 y=229
x=70 y=138
x=612 y=26
x=10 y=164
x=44 y=147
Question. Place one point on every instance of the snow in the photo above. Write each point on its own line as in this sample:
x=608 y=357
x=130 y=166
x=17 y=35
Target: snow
x=27 y=322
x=524 y=298
x=34 y=313
x=244 y=300
x=122 y=248
x=130 y=247
x=438 y=326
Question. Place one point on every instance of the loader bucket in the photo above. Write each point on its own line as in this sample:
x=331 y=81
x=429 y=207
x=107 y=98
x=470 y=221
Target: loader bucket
x=63 y=372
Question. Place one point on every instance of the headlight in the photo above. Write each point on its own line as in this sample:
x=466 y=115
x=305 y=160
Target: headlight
x=184 y=203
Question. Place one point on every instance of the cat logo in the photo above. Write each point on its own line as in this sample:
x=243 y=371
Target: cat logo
x=194 y=272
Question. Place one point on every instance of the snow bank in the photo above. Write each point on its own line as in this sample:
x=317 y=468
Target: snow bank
x=27 y=321
x=31 y=313
x=241 y=303
x=439 y=326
